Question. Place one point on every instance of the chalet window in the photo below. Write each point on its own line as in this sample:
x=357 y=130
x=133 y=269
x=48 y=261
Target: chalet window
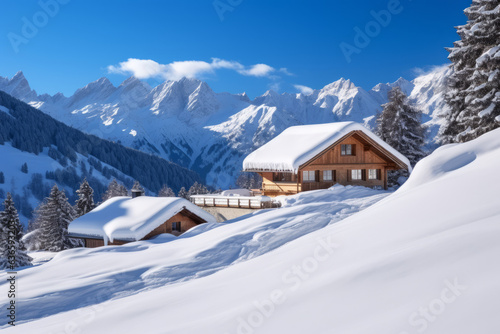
x=356 y=174
x=347 y=149
x=309 y=176
x=374 y=174
x=176 y=226
x=327 y=175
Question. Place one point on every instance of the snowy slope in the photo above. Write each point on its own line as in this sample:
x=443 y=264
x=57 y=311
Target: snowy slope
x=55 y=153
x=114 y=272
x=422 y=259
x=187 y=123
x=19 y=183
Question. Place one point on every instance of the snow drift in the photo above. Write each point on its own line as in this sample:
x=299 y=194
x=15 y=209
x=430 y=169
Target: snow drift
x=422 y=259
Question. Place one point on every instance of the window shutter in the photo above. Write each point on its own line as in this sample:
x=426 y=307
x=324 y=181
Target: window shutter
x=316 y=176
x=349 y=175
x=353 y=149
x=334 y=175
x=363 y=174
x=379 y=174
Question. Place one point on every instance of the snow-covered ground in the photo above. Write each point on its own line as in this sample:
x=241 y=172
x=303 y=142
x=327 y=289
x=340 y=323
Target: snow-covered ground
x=80 y=277
x=423 y=259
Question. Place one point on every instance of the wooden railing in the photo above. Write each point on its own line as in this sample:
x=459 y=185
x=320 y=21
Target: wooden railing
x=256 y=202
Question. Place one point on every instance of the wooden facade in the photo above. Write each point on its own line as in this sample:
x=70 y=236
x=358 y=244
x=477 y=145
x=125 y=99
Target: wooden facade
x=355 y=159
x=176 y=225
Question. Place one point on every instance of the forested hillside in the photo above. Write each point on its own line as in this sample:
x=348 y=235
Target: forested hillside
x=38 y=151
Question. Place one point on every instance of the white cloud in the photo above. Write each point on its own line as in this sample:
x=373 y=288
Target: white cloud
x=284 y=70
x=259 y=70
x=303 y=89
x=146 y=68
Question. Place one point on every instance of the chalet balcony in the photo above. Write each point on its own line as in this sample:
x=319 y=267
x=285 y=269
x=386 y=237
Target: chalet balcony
x=280 y=187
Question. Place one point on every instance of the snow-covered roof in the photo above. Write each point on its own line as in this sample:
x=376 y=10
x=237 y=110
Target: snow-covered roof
x=126 y=218
x=299 y=144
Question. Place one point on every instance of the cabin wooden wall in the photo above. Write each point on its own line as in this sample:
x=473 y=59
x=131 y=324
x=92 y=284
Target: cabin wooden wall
x=166 y=227
x=364 y=158
x=93 y=243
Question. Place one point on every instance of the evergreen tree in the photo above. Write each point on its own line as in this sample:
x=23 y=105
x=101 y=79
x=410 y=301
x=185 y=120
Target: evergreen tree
x=53 y=217
x=85 y=202
x=183 y=193
x=122 y=190
x=166 y=191
x=2 y=178
x=399 y=125
x=474 y=86
x=197 y=189
x=24 y=168
x=12 y=250
x=114 y=189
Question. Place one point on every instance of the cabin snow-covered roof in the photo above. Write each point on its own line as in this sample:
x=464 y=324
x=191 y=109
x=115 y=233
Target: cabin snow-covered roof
x=299 y=144
x=126 y=218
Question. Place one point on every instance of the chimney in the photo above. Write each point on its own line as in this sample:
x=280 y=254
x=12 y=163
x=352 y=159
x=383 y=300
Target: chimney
x=137 y=193
x=137 y=190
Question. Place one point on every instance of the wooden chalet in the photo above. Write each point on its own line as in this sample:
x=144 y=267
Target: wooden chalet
x=314 y=157
x=120 y=220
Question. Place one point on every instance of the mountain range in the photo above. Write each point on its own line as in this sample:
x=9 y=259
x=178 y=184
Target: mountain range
x=38 y=151
x=186 y=122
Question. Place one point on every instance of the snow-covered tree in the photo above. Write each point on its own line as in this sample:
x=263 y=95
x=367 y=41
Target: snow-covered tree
x=183 y=193
x=166 y=191
x=197 y=189
x=114 y=189
x=85 y=202
x=12 y=250
x=399 y=125
x=53 y=216
x=474 y=86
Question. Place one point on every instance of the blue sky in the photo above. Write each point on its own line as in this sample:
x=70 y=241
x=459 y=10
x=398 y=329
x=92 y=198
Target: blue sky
x=245 y=45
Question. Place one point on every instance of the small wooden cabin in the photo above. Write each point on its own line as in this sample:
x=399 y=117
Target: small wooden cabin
x=318 y=156
x=120 y=220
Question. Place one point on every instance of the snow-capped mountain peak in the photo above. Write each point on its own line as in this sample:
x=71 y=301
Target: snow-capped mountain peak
x=186 y=122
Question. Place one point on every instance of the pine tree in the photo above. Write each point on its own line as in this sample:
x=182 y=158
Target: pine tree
x=114 y=189
x=53 y=216
x=166 y=191
x=2 y=178
x=399 y=125
x=85 y=202
x=24 y=168
x=183 y=193
x=12 y=250
x=474 y=86
x=194 y=189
